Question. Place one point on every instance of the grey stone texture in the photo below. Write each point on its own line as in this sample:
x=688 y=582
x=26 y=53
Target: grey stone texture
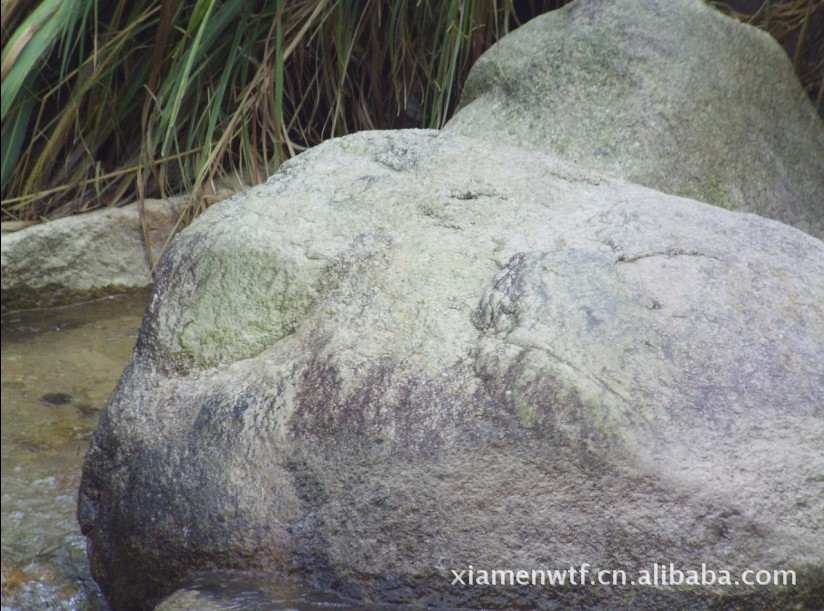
x=410 y=352
x=82 y=257
x=670 y=94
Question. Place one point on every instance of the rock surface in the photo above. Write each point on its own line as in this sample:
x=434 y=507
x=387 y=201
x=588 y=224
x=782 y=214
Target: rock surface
x=412 y=352
x=83 y=257
x=668 y=94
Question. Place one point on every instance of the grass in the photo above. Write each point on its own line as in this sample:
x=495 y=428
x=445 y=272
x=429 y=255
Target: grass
x=103 y=102
x=106 y=102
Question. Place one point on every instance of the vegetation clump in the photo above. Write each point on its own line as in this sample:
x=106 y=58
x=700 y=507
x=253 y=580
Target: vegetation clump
x=110 y=102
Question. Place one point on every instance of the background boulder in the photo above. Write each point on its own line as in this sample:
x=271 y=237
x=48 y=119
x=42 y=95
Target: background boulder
x=669 y=94
x=82 y=257
x=411 y=352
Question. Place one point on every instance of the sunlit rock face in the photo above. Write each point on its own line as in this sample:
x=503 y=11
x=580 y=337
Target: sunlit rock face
x=412 y=352
x=670 y=94
x=414 y=358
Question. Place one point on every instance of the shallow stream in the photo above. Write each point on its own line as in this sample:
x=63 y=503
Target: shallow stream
x=58 y=368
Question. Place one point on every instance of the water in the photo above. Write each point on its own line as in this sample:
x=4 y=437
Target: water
x=58 y=368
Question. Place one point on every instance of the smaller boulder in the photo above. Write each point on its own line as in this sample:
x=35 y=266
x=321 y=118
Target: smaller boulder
x=83 y=257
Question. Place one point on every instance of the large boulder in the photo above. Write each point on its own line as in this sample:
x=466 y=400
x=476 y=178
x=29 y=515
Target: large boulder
x=670 y=94
x=82 y=257
x=412 y=353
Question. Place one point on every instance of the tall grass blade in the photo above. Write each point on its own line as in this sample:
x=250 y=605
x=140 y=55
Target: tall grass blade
x=14 y=134
x=27 y=46
x=110 y=100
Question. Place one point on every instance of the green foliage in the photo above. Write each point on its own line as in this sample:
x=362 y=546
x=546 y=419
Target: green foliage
x=105 y=101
